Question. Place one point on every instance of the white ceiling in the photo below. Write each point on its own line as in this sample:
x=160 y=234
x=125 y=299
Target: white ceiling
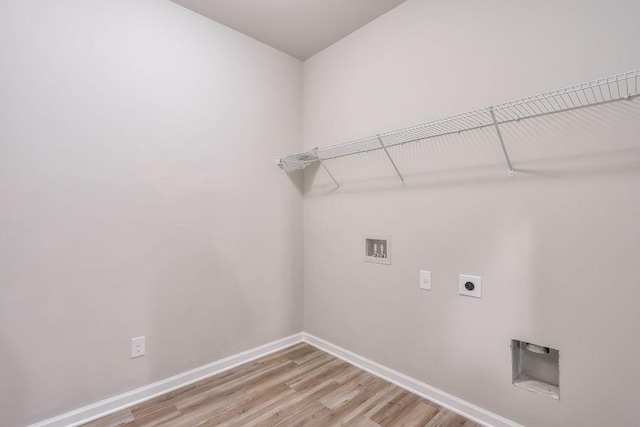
x=300 y=28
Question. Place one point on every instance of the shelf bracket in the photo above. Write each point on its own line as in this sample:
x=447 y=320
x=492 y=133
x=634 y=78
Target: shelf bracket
x=315 y=153
x=504 y=148
x=390 y=159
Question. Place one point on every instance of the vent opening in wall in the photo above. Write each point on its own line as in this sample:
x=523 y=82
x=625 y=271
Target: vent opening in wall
x=536 y=368
x=377 y=249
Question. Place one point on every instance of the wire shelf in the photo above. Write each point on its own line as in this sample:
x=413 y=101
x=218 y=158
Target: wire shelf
x=602 y=91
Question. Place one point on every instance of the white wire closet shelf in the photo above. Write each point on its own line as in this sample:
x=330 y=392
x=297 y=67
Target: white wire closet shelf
x=602 y=91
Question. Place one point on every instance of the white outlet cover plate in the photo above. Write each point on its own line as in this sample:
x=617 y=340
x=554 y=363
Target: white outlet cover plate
x=476 y=280
x=425 y=280
x=137 y=347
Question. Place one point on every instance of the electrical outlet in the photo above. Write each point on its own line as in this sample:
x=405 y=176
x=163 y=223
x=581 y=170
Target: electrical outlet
x=137 y=347
x=425 y=280
x=470 y=286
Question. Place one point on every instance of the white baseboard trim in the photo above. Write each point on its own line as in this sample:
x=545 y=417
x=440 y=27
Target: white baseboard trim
x=444 y=399
x=125 y=400
x=139 y=395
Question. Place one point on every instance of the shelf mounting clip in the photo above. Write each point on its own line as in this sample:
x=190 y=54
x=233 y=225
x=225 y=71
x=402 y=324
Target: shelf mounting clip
x=390 y=158
x=504 y=148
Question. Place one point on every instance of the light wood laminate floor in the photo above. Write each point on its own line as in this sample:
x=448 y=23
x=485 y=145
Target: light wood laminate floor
x=297 y=386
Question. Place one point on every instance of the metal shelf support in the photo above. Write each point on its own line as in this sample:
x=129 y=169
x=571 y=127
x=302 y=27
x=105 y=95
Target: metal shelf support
x=315 y=152
x=391 y=159
x=504 y=148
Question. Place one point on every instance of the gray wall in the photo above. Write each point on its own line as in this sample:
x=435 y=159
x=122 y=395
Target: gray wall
x=138 y=196
x=557 y=245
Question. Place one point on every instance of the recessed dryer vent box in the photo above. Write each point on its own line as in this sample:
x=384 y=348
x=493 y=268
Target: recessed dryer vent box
x=536 y=368
x=377 y=248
